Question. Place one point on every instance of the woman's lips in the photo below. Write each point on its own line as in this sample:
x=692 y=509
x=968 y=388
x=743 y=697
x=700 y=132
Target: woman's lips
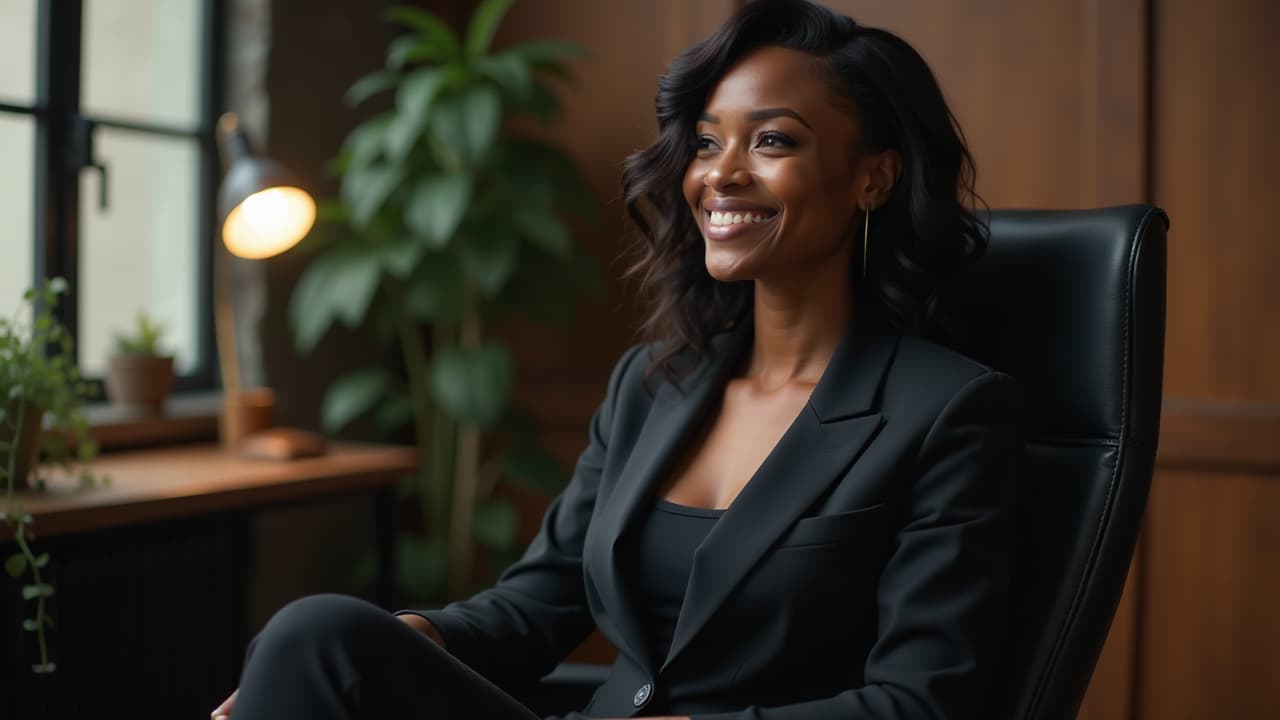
x=732 y=224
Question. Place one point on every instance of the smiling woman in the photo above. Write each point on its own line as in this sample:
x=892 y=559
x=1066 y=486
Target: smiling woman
x=799 y=113
x=809 y=512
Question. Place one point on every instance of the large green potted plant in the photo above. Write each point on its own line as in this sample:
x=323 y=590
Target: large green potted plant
x=38 y=380
x=445 y=220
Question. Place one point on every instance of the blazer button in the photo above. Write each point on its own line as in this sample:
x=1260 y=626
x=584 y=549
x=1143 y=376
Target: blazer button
x=642 y=695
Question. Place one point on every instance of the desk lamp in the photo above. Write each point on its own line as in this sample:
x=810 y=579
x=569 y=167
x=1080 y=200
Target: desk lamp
x=262 y=212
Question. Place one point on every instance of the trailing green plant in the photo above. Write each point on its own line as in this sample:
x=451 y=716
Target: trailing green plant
x=143 y=340
x=443 y=223
x=38 y=379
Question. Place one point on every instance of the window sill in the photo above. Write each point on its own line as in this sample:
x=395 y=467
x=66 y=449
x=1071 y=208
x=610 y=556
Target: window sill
x=187 y=417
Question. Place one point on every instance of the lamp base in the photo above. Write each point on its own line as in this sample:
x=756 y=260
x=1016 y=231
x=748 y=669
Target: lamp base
x=283 y=444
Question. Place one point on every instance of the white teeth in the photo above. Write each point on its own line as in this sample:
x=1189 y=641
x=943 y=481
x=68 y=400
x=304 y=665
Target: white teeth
x=735 y=218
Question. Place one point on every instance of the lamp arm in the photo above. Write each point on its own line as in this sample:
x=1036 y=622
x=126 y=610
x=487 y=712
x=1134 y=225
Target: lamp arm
x=225 y=321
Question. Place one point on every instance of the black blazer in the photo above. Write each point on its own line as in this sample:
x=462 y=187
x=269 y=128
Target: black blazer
x=861 y=573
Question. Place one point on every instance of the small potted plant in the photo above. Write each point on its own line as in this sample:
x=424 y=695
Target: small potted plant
x=41 y=391
x=140 y=375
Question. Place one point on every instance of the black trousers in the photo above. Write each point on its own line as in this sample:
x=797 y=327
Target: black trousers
x=333 y=656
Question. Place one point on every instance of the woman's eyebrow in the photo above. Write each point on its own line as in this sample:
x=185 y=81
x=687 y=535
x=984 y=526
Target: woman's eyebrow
x=762 y=114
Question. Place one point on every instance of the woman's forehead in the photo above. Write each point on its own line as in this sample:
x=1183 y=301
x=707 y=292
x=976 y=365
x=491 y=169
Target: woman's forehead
x=773 y=76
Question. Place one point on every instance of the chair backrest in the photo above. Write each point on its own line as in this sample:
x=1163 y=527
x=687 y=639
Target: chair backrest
x=1071 y=303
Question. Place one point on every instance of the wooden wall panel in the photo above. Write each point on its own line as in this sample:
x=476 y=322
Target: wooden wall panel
x=1210 y=638
x=1049 y=94
x=1217 y=169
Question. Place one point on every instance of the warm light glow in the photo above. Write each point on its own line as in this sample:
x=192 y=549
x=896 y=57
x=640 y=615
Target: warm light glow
x=269 y=222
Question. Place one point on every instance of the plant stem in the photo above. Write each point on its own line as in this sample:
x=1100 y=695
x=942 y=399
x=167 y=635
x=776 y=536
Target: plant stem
x=443 y=429
x=20 y=532
x=466 y=475
x=40 y=599
x=415 y=362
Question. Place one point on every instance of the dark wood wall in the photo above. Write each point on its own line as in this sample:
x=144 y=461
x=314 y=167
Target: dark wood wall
x=1066 y=104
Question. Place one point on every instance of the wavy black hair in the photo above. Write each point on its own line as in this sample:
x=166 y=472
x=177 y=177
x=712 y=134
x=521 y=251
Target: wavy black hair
x=927 y=228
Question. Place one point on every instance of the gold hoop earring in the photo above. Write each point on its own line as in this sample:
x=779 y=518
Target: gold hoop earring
x=866 y=234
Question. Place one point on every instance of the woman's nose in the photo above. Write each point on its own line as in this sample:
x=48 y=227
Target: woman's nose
x=728 y=170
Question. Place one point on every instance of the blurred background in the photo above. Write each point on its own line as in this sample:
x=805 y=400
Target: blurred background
x=1065 y=104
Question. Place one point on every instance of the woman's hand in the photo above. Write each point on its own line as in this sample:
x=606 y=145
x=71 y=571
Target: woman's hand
x=422 y=625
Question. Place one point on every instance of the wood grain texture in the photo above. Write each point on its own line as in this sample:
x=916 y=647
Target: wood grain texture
x=175 y=482
x=1210 y=637
x=1049 y=94
x=1220 y=435
x=1217 y=171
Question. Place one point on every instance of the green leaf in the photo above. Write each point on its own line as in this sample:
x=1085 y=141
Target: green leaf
x=510 y=72
x=473 y=384
x=543 y=229
x=15 y=565
x=401 y=256
x=436 y=206
x=434 y=290
x=338 y=285
x=30 y=625
x=58 y=285
x=541 y=103
x=489 y=257
x=44 y=669
x=468 y=121
x=353 y=395
x=547 y=54
x=438 y=41
x=414 y=99
x=393 y=413
x=365 y=190
x=408 y=49
x=484 y=25
x=495 y=525
x=30 y=592
x=370 y=85
x=42 y=560
x=363 y=147
x=534 y=469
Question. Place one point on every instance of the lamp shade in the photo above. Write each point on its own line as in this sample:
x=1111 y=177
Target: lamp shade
x=262 y=210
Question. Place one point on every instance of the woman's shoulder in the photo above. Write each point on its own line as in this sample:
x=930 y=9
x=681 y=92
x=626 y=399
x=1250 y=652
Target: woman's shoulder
x=925 y=368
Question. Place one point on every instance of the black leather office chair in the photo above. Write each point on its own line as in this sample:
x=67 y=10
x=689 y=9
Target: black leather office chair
x=1071 y=303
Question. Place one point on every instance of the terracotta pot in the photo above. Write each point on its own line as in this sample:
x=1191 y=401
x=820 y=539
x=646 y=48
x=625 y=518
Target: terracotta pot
x=25 y=448
x=140 y=382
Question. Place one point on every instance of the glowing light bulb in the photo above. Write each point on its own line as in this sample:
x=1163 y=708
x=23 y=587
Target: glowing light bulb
x=269 y=222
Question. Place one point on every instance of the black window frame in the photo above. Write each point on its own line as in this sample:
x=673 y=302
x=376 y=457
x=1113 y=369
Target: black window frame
x=64 y=138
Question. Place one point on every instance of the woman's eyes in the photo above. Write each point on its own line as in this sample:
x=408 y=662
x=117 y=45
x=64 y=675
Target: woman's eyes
x=775 y=139
x=767 y=139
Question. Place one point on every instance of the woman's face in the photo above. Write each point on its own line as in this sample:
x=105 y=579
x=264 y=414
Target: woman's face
x=774 y=187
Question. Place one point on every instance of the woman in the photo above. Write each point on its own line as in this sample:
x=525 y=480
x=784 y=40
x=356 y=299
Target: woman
x=792 y=505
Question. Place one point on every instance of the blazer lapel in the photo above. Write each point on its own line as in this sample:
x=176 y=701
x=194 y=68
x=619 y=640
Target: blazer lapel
x=672 y=419
x=820 y=445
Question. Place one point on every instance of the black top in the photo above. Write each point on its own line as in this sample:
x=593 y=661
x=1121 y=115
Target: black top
x=661 y=560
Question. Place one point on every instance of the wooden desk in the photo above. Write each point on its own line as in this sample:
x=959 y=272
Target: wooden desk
x=149 y=486
x=151 y=575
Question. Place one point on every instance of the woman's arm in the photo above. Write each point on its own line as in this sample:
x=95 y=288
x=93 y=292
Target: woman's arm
x=942 y=592
x=537 y=612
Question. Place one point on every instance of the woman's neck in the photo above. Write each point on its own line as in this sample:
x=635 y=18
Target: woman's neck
x=798 y=325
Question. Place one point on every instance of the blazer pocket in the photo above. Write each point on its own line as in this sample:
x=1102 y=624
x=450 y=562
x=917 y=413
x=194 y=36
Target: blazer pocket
x=838 y=527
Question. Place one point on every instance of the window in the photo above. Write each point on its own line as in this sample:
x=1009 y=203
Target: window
x=107 y=115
